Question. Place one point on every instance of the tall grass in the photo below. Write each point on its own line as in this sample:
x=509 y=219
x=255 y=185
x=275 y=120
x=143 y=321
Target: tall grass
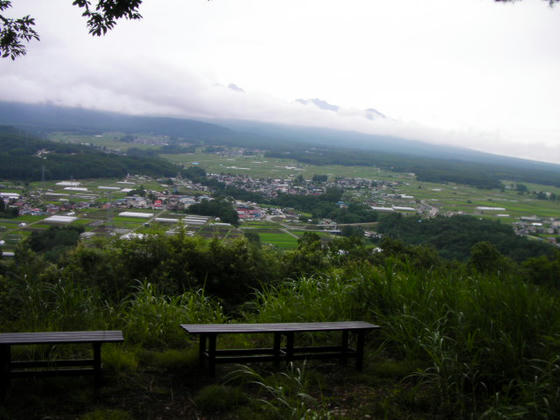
x=485 y=345
x=152 y=319
x=284 y=395
x=479 y=337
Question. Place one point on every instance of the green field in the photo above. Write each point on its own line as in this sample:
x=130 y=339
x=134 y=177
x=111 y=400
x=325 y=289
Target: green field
x=259 y=225
x=260 y=167
x=278 y=239
x=108 y=140
x=446 y=197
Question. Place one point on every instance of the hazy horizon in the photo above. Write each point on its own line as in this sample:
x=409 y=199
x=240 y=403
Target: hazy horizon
x=476 y=74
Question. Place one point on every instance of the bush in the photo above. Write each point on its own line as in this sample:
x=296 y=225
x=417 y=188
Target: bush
x=216 y=398
x=152 y=319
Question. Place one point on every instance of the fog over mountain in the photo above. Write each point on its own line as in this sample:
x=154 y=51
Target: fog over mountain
x=45 y=118
x=407 y=69
x=319 y=103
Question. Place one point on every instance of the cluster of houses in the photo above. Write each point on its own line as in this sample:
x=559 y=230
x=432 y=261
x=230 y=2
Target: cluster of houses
x=534 y=225
x=380 y=195
x=270 y=187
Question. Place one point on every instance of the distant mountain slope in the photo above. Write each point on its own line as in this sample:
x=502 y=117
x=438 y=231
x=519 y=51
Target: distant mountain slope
x=346 y=139
x=430 y=162
x=23 y=157
x=319 y=146
x=50 y=117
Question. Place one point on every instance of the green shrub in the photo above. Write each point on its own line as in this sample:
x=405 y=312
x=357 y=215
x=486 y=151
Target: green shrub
x=152 y=319
x=216 y=398
x=119 y=359
x=169 y=359
x=283 y=395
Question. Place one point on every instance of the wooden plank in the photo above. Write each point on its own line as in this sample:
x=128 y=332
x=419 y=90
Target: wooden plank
x=57 y=372
x=244 y=359
x=318 y=356
x=52 y=337
x=233 y=352
x=278 y=327
x=320 y=349
x=28 y=364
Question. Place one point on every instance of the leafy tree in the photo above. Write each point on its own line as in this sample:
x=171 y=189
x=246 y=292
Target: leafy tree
x=522 y=188
x=14 y=32
x=308 y=258
x=141 y=191
x=253 y=238
x=6 y=211
x=543 y=270
x=18 y=160
x=299 y=180
x=100 y=18
x=55 y=240
x=217 y=208
x=352 y=231
x=485 y=258
x=454 y=236
x=320 y=179
x=551 y=2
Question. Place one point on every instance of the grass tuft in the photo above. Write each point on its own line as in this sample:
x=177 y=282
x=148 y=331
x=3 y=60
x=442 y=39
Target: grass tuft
x=219 y=398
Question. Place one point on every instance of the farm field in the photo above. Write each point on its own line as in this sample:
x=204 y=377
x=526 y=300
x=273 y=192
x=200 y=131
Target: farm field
x=278 y=239
x=448 y=198
x=261 y=167
x=108 y=140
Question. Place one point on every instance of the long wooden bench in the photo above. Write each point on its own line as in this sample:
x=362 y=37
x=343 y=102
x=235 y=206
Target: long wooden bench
x=208 y=334
x=10 y=369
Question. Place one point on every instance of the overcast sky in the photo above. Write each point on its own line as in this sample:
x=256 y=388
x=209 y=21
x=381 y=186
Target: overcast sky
x=473 y=73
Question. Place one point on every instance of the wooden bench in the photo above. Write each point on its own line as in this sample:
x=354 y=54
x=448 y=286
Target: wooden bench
x=10 y=369
x=208 y=334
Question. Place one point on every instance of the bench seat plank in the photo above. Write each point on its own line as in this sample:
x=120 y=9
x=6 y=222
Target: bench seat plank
x=278 y=327
x=208 y=334
x=53 y=337
x=11 y=369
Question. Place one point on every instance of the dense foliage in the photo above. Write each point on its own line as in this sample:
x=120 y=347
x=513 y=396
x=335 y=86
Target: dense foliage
x=6 y=211
x=25 y=157
x=327 y=205
x=54 y=239
x=455 y=236
x=426 y=169
x=217 y=208
x=464 y=340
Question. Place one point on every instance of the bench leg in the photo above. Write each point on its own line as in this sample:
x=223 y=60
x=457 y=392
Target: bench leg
x=360 y=350
x=97 y=364
x=202 y=349
x=276 y=348
x=289 y=346
x=5 y=366
x=344 y=348
x=212 y=354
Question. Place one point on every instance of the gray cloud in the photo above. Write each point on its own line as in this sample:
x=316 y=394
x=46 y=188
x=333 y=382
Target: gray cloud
x=235 y=88
x=319 y=103
x=372 y=114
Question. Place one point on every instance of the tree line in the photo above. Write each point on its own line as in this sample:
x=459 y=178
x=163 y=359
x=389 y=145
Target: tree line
x=27 y=158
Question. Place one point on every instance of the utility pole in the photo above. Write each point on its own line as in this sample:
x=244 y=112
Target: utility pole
x=110 y=212
x=43 y=178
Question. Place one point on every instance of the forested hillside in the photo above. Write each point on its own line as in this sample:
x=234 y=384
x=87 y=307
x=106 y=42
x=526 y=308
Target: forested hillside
x=454 y=237
x=310 y=145
x=23 y=157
